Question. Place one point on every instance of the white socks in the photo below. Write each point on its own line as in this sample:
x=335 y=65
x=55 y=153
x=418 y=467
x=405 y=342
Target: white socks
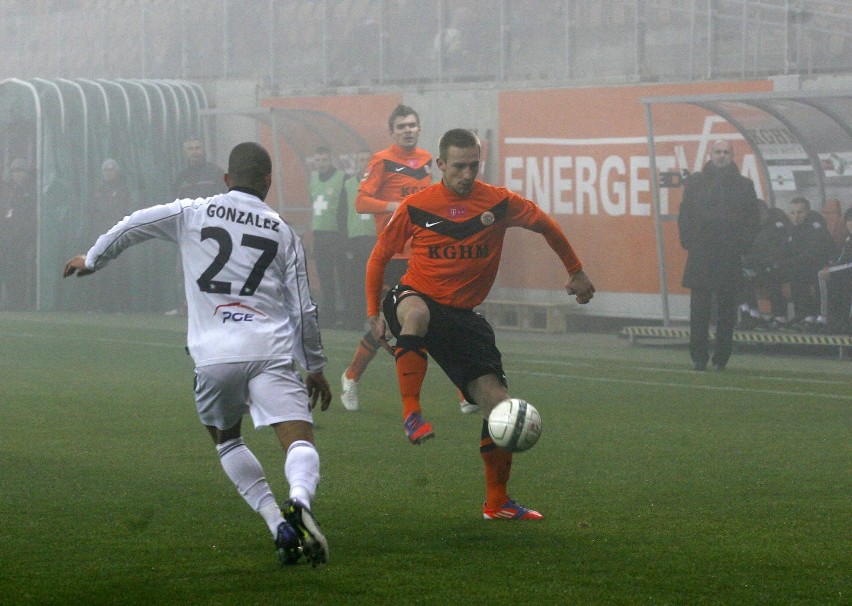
x=302 y=471
x=245 y=471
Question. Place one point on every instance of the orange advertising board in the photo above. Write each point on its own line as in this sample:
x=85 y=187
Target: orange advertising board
x=582 y=155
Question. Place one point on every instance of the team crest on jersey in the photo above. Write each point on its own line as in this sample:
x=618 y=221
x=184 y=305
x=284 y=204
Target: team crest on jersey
x=238 y=312
x=487 y=217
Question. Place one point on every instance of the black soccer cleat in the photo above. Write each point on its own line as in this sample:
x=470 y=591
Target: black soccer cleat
x=314 y=545
x=287 y=544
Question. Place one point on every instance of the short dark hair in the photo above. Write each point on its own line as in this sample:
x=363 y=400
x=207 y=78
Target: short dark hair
x=401 y=111
x=801 y=200
x=323 y=150
x=249 y=164
x=457 y=137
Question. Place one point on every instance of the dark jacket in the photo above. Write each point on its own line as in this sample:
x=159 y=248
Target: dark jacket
x=18 y=224
x=718 y=220
x=845 y=255
x=771 y=248
x=199 y=182
x=812 y=246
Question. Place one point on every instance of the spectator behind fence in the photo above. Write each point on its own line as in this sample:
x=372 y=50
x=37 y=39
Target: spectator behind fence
x=110 y=202
x=718 y=221
x=763 y=268
x=812 y=248
x=835 y=286
x=18 y=237
x=200 y=179
x=328 y=231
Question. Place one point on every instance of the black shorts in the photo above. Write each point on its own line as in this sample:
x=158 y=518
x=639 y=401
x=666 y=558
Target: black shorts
x=394 y=271
x=461 y=341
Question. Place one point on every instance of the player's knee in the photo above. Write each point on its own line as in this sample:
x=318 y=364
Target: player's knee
x=413 y=315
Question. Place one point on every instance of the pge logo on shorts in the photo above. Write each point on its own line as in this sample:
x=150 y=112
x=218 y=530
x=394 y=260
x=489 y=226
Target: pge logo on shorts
x=237 y=312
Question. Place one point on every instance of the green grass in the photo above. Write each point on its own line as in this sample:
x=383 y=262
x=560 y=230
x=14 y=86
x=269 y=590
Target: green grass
x=659 y=485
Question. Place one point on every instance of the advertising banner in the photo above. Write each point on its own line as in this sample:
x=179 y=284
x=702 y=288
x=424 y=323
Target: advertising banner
x=583 y=156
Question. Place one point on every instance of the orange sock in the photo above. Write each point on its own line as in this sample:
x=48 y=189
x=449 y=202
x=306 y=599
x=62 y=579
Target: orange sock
x=498 y=468
x=461 y=395
x=365 y=353
x=411 y=364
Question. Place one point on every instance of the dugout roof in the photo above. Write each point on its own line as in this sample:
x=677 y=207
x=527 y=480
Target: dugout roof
x=802 y=141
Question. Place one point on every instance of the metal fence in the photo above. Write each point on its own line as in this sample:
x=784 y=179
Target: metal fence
x=311 y=46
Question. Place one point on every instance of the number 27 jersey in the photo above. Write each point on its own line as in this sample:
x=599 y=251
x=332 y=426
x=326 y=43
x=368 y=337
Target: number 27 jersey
x=244 y=272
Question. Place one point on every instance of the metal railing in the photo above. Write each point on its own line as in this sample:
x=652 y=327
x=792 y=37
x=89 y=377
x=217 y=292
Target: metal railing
x=311 y=46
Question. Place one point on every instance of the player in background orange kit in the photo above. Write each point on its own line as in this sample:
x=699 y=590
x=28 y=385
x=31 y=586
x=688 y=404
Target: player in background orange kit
x=392 y=174
x=456 y=230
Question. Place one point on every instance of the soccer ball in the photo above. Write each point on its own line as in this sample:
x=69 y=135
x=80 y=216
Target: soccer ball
x=514 y=425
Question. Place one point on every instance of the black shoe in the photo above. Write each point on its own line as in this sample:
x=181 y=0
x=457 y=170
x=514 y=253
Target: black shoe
x=314 y=543
x=699 y=366
x=287 y=544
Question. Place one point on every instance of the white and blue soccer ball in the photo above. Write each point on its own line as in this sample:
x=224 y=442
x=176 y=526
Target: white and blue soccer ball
x=514 y=425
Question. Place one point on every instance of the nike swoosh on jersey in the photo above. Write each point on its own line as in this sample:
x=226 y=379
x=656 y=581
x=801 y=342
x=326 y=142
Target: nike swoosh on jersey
x=451 y=229
x=401 y=169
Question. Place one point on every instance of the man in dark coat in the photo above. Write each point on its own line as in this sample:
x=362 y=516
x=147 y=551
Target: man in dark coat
x=812 y=248
x=719 y=218
x=766 y=266
x=200 y=179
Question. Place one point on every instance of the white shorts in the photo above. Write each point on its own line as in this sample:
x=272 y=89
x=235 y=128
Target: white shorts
x=272 y=391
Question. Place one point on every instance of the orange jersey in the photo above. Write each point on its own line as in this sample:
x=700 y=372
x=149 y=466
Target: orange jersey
x=391 y=175
x=456 y=242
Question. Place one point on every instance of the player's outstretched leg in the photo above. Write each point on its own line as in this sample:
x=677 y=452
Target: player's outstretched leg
x=313 y=542
x=411 y=364
x=349 y=392
x=246 y=472
x=498 y=468
x=467 y=408
x=365 y=353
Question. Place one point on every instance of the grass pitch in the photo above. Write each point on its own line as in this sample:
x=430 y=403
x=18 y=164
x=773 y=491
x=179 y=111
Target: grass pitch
x=659 y=485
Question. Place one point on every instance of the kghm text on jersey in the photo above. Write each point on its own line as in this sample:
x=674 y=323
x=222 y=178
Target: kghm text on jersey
x=408 y=190
x=242 y=217
x=459 y=251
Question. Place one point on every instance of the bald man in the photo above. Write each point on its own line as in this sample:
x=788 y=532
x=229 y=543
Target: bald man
x=719 y=218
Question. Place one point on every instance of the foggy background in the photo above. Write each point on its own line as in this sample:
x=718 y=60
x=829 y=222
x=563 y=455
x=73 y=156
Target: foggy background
x=130 y=79
x=309 y=46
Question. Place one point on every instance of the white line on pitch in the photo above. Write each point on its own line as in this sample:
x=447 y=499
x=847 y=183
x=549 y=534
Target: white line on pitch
x=776 y=392
x=692 y=372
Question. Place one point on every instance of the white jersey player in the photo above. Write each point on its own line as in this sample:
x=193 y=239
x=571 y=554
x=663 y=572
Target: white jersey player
x=251 y=317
